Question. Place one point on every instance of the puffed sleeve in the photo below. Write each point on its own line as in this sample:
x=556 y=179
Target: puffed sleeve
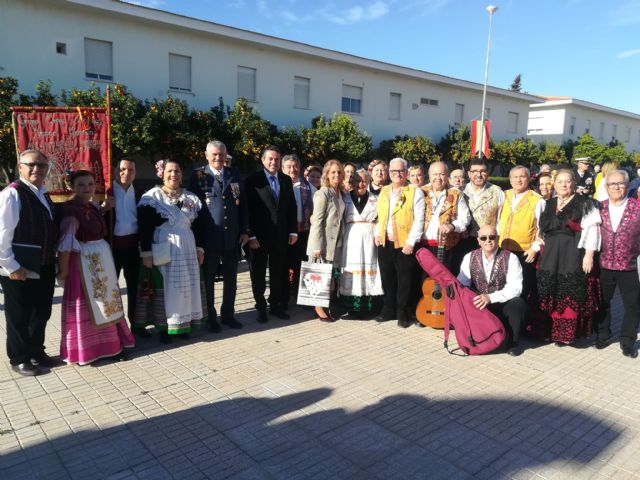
x=590 y=235
x=68 y=229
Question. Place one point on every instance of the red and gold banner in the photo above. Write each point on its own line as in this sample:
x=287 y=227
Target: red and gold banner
x=476 y=135
x=72 y=138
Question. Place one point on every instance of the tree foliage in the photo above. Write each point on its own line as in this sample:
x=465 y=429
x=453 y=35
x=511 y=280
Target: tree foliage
x=516 y=85
x=455 y=146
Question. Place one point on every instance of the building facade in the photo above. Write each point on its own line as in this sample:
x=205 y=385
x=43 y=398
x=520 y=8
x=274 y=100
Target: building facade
x=155 y=53
x=559 y=119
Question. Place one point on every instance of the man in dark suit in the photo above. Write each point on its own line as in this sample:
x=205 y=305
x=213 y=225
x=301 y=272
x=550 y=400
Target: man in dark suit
x=27 y=217
x=223 y=227
x=122 y=219
x=273 y=225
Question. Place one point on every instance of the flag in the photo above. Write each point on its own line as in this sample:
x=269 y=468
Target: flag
x=72 y=138
x=476 y=133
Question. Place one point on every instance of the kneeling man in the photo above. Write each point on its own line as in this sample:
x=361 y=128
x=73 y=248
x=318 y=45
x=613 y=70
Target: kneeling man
x=496 y=275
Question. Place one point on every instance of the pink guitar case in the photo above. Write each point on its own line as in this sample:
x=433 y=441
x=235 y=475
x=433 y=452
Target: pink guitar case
x=477 y=331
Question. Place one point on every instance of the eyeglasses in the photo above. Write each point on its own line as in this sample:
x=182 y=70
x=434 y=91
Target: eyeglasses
x=33 y=166
x=397 y=172
x=617 y=185
x=478 y=172
x=485 y=238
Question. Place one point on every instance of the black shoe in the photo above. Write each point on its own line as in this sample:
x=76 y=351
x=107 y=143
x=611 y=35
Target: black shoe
x=165 y=338
x=279 y=313
x=382 y=318
x=214 y=327
x=232 y=323
x=352 y=316
x=123 y=356
x=141 y=332
x=515 y=350
x=405 y=323
x=602 y=343
x=262 y=316
x=44 y=360
x=629 y=352
x=26 y=369
x=184 y=336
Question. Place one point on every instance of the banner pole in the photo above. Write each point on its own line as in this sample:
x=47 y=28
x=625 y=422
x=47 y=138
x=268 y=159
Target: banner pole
x=108 y=188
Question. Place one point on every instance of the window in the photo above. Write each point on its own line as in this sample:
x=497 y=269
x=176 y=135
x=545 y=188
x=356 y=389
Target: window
x=614 y=132
x=98 y=59
x=601 y=131
x=247 y=83
x=487 y=113
x=459 y=114
x=395 y=101
x=351 y=99
x=587 y=126
x=627 y=134
x=179 y=72
x=512 y=122
x=301 y=90
x=429 y=101
x=572 y=126
x=61 y=48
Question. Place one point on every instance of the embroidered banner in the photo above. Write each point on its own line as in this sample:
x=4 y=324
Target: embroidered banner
x=476 y=134
x=72 y=139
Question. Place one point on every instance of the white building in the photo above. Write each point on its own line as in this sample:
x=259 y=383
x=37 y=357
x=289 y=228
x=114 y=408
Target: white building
x=155 y=53
x=564 y=118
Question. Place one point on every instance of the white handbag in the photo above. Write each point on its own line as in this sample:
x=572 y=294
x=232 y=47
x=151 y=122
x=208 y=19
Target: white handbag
x=161 y=253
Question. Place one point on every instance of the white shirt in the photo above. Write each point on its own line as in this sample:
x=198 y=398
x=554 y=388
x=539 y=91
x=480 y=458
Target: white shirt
x=418 y=215
x=461 y=222
x=9 y=217
x=616 y=212
x=126 y=213
x=513 y=285
x=296 y=193
x=213 y=171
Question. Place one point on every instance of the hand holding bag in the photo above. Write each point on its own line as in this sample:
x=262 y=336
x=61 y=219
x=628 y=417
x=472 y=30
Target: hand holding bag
x=161 y=253
x=315 y=284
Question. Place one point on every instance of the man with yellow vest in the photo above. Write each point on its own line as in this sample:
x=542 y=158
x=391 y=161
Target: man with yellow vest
x=446 y=214
x=400 y=226
x=518 y=226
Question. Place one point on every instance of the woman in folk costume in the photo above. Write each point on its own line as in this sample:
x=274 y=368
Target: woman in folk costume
x=325 y=235
x=568 y=283
x=360 y=283
x=165 y=217
x=93 y=324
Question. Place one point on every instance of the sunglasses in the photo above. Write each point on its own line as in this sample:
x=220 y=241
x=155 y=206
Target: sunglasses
x=485 y=238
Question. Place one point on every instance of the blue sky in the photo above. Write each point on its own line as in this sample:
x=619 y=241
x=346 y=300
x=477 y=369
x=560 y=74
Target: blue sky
x=587 y=49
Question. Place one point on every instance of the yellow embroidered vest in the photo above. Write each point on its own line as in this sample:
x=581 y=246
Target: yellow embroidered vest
x=448 y=213
x=401 y=217
x=518 y=228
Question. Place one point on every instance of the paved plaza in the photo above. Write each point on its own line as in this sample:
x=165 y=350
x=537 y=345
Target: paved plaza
x=305 y=399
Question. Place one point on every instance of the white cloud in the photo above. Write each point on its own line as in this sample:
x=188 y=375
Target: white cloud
x=629 y=53
x=354 y=14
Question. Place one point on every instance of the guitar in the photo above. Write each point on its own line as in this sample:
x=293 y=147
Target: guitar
x=430 y=309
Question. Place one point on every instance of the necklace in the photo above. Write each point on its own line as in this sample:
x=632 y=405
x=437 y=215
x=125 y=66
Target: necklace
x=563 y=202
x=170 y=192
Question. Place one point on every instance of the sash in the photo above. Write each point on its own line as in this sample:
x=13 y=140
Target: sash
x=100 y=284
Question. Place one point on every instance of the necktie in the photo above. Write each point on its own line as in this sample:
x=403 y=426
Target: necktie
x=274 y=187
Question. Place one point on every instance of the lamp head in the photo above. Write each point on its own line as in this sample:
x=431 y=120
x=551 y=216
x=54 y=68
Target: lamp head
x=491 y=9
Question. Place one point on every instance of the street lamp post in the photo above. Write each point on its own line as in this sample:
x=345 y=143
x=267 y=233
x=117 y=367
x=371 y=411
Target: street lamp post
x=491 y=9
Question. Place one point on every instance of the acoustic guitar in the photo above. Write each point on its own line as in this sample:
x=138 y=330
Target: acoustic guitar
x=430 y=309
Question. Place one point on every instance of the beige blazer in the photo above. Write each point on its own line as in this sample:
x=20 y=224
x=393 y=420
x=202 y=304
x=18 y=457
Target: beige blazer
x=326 y=224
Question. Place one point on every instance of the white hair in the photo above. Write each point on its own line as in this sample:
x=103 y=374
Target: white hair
x=399 y=159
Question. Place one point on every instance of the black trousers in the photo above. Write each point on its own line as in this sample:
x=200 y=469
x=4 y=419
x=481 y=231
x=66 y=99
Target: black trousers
x=397 y=272
x=629 y=286
x=128 y=260
x=275 y=257
x=295 y=254
x=529 y=280
x=513 y=315
x=227 y=261
x=27 y=308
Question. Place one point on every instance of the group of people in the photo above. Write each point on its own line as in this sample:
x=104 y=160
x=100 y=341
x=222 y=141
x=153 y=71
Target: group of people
x=546 y=261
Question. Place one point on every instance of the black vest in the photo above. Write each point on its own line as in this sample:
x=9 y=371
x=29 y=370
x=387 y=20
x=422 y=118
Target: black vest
x=35 y=225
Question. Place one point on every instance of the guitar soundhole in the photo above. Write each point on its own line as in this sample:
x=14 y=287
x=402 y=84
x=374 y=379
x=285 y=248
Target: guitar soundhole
x=437 y=294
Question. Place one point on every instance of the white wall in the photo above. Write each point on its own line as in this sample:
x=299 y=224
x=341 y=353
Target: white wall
x=140 y=61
